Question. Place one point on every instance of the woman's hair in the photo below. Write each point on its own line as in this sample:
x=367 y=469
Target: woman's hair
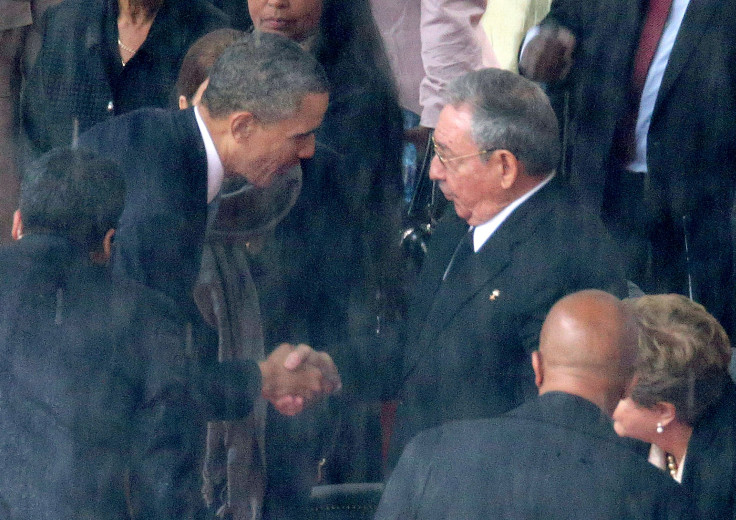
x=683 y=355
x=200 y=57
x=349 y=45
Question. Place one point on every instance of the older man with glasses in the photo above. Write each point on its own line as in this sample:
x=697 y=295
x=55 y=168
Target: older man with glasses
x=514 y=244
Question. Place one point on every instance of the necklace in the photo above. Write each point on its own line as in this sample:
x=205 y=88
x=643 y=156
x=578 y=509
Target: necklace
x=671 y=465
x=125 y=48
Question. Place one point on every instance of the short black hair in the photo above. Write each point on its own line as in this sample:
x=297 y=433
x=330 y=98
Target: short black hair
x=73 y=193
x=265 y=74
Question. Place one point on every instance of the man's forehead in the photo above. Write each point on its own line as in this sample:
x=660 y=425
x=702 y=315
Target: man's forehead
x=454 y=123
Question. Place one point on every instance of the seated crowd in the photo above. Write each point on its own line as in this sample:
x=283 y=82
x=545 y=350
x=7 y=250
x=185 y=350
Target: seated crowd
x=205 y=311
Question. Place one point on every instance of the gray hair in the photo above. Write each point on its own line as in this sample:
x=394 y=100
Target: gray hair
x=510 y=113
x=265 y=74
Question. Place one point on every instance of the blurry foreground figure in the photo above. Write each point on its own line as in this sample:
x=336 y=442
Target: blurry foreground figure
x=102 y=405
x=683 y=401
x=556 y=457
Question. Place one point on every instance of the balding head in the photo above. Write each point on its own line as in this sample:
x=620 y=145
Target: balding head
x=587 y=348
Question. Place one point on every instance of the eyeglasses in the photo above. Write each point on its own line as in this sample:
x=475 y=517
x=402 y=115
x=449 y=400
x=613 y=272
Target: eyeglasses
x=446 y=160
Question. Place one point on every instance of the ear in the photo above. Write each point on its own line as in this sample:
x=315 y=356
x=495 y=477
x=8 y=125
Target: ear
x=666 y=412
x=197 y=97
x=242 y=125
x=537 y=367
x=17 y=231
x=183 y=103
x=103 y=255
x=509 y=168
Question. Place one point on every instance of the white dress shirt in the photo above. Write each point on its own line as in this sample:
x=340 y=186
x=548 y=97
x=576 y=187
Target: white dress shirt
x=483 y=232
x=215 y=169
x=654 y=81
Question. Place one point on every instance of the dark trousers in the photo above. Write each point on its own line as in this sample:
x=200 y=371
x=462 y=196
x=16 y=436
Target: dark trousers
x=685 y=250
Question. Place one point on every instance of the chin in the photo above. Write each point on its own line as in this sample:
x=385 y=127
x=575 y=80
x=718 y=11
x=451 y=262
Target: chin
x=619 y=430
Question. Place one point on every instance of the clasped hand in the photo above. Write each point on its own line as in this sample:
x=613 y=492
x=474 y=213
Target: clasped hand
x=295 y=376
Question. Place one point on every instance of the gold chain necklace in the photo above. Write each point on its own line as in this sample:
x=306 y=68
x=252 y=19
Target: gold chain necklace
x=125 y=48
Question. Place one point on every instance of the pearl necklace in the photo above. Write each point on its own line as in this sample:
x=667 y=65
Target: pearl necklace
x=671 y=465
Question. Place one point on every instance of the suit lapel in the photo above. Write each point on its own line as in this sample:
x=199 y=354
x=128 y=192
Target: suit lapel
x=485 y=265
x=441 y=247
x=694 y=25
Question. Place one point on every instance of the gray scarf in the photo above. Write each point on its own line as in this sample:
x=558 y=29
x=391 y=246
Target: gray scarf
x=227 y=299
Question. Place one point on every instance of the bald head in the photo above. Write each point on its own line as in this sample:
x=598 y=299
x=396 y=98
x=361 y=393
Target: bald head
x=587 y=348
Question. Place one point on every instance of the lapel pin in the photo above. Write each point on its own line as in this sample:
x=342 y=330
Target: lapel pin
x=495 y=294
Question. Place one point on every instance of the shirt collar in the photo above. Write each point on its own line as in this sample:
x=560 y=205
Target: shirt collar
x=215 y=169
x=482 y=233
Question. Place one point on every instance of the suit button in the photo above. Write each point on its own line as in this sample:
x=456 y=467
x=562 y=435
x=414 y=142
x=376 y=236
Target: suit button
x=110 y=106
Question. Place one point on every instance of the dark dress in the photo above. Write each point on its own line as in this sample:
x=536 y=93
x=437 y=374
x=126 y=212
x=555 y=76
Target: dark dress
x=710 y=464
x=78 y=73
x=331 y=270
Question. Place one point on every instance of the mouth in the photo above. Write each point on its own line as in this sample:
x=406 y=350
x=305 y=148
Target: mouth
x=441 y=186
x=274 y=24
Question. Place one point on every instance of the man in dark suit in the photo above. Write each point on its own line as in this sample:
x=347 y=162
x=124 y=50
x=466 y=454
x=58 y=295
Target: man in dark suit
x=556 y=457
x=102 y=407
x=257 y=117
x=652 y=90
x=482 y=295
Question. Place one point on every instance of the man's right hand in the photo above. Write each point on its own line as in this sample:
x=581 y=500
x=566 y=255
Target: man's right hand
x=295 y=376
x=548 y=56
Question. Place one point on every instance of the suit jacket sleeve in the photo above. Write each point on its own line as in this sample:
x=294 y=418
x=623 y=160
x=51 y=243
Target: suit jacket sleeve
x=174 y=397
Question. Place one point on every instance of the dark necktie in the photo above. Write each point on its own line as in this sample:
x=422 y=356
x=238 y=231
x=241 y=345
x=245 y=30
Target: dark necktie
x=651 y=33
x=463 y=251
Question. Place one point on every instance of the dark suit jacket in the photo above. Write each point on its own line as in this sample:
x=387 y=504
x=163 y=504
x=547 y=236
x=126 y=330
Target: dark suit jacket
x=710 y=463
x=688 y=145
x=690 y=154
x=161 y=232
x=96 y=384
x=556 y=457
x=78 y=72
x=467 y=351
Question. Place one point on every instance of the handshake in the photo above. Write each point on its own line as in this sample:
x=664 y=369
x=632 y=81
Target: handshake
x=295 y=376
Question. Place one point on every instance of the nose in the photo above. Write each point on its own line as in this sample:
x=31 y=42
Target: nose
x=306 y=150
x=436 y=169
x=278 y=4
